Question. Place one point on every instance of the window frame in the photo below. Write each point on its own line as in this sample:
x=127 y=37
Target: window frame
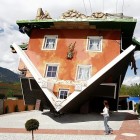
x=45 y=42
x=77 y=72
x=100 y=45
x=46 y=70
x=59 y=93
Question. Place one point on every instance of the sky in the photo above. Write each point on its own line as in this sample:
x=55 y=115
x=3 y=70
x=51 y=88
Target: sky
x=13 y=10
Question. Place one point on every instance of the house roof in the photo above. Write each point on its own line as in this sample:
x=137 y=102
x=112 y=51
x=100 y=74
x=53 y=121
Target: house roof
x=134 y=99
x=22 y=46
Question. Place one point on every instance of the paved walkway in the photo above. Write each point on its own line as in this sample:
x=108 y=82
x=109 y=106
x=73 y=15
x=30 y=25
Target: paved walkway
x=125 y=124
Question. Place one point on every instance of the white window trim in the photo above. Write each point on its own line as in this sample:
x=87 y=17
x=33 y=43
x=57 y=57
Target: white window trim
x=46 y=69
x=63 y=90
x=90 y=68
x=111 y=84
x=95 y=37
x=44 y=41
x=30 y=83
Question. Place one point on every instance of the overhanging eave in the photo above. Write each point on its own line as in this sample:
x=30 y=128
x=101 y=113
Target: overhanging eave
x=136 y=43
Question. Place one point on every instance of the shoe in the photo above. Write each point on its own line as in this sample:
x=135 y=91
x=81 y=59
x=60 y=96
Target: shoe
x=111 y=131
x=106 y=133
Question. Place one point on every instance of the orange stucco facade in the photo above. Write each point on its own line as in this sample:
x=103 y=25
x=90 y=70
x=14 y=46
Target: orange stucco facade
x=67 y=68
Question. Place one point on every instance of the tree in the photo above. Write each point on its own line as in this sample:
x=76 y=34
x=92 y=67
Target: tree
x=124 y=90
x=138 y=109
x=10 y=93
x=132 y=90
x=32 y=125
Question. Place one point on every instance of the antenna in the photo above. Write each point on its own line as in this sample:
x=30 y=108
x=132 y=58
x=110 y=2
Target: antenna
x=122 y=6
x=103 y=6
x=116 y=5
x=85 y=7
x=90 y=6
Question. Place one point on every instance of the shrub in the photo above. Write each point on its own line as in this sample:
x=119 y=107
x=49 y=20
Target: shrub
x=16 y=108
x=32 y=125
x=7 y=109
x=138 y=108
x=26 y=108
x=9 y=93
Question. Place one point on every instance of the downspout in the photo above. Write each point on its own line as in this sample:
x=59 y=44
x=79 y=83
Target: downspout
x=121 y=43
x=119 y=85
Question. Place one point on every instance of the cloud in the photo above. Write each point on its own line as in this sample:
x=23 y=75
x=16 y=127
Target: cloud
x=132 y=80
x=1 y=30
x=130 y=77
x=10 y=35
x=137 y=55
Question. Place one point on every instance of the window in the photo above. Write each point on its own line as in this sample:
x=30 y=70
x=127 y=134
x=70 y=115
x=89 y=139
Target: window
x=50 y=42
x=51 y=70
x=63 y=93
x=94 y=44
x=83 y=72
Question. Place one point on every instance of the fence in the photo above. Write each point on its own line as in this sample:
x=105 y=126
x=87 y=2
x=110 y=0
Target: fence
x=17 y=105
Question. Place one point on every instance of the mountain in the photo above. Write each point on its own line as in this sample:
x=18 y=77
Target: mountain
x=7 y=75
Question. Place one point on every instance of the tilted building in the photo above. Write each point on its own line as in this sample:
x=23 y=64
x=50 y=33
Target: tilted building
x=75 y=62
